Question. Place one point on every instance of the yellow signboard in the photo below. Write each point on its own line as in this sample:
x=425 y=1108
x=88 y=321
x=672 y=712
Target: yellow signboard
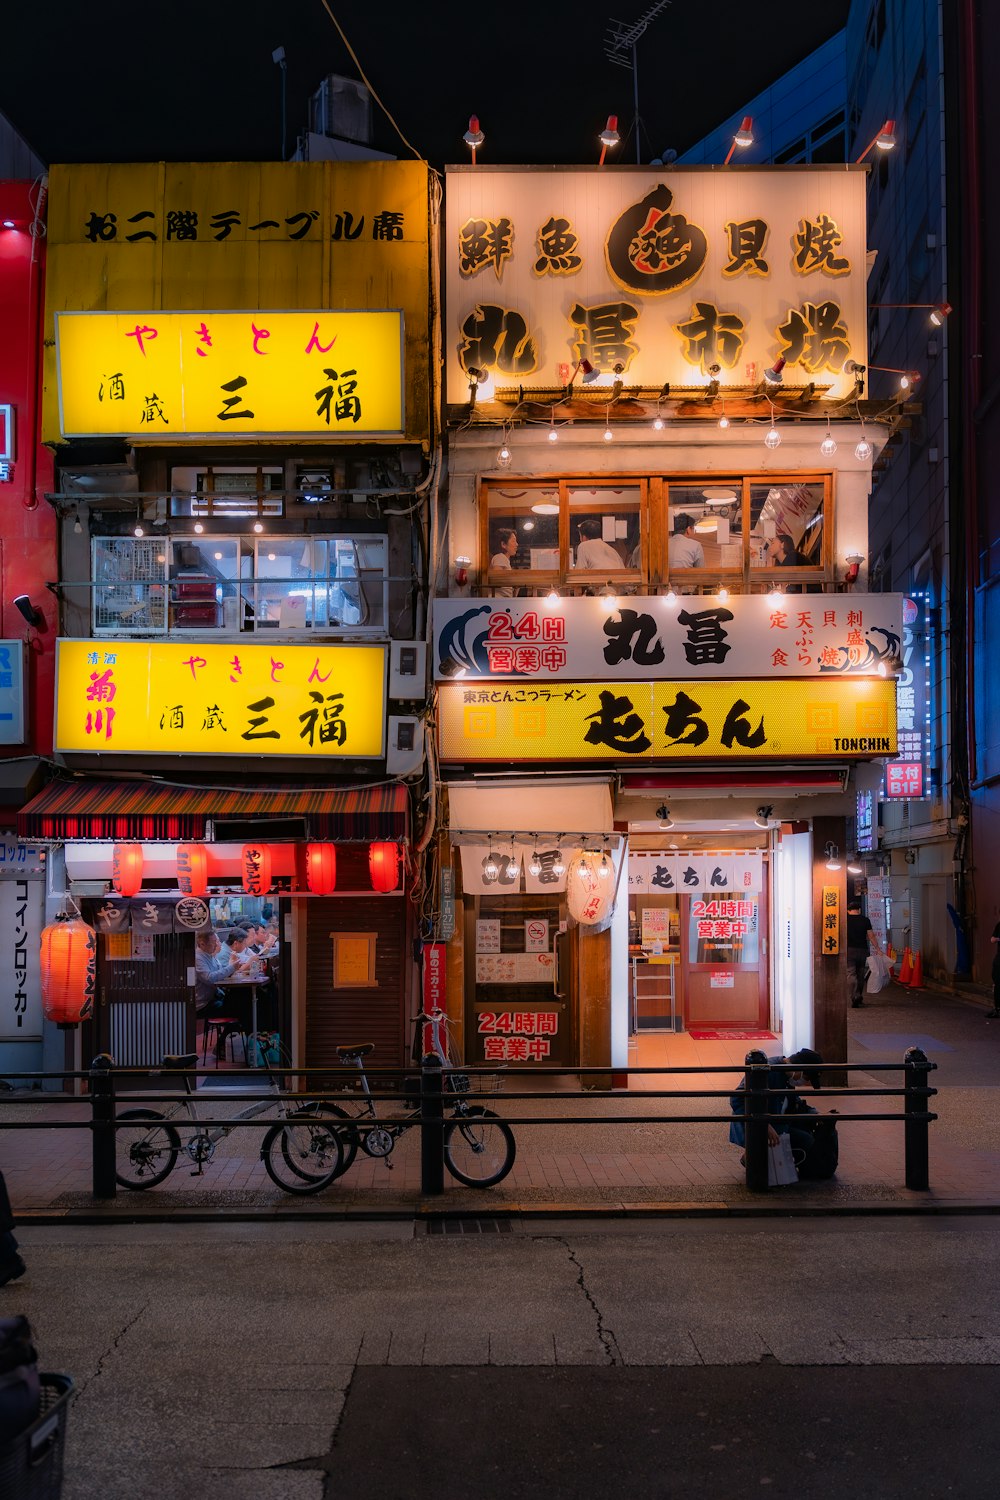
x=139 y=697
x=161 y=375
x=835 y=719
x=830 y=937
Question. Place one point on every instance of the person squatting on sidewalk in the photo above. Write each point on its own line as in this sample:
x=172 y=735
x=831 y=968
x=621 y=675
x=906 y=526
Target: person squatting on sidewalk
x=813 y=1138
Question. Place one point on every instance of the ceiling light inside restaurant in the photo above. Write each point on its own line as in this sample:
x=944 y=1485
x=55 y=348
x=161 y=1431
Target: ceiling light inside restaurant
x=546 y=508
x=719 y=497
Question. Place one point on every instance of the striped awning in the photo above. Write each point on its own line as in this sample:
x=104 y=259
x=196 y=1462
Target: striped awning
x=91 y=809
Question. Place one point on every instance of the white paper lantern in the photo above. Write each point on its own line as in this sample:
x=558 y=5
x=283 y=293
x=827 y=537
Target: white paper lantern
x=591 y=900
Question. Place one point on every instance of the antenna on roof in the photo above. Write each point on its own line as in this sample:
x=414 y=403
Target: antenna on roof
x=620 y=48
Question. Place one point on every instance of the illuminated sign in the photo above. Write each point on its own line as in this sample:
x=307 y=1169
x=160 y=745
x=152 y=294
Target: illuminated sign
x=645 y=637
x=163 y=375
x=908 y=775
x=158 y=698
x=835 y=719
x=12 y=692
x=671 y=281
x=695 y=874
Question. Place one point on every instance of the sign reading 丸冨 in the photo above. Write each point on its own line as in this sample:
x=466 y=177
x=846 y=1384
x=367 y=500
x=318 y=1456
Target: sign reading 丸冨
x=837 y=718
x=750 y=635
x=163 y=375
x=193 y=698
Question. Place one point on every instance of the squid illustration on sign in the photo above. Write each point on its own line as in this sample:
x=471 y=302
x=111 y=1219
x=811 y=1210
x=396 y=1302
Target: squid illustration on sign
x=653 y=251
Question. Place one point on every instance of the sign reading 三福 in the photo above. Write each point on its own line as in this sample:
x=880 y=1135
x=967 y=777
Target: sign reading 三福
x=164 y=375
x=193 y=698
x=668 y=282
x=750 y=635
x=838 y=719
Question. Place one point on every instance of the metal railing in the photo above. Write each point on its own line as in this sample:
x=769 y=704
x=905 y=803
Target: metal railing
x=758 y=1097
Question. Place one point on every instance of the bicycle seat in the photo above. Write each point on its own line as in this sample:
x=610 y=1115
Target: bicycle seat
x=362 y=1050
x=181 y=1060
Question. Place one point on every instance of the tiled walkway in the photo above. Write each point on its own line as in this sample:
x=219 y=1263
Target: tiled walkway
x=627 y=1162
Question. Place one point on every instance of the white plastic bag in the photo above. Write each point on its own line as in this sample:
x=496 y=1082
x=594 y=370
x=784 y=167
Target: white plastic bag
x=781 y=1164
x=879 y=973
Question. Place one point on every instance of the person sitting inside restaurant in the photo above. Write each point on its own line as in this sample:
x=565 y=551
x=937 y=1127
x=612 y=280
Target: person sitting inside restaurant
x=684 y=549
x=593 y=551
x=210 y=965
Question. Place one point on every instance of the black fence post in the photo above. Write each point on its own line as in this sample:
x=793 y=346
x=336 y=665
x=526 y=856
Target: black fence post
x=102 y=1129
x=916 y=1131
x=431 y=1126
x=755 y=1127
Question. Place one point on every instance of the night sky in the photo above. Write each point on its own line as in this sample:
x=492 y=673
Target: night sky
x=119 y=80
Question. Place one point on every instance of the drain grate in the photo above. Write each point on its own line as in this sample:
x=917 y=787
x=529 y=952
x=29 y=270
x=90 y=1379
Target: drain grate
x=468 y=1226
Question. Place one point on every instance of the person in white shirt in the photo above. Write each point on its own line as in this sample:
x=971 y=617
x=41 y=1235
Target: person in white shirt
x=685 y=551
x=506 y=549
x=593 y=551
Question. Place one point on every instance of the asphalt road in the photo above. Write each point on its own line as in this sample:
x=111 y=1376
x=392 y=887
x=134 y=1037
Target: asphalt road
x=305 y=1362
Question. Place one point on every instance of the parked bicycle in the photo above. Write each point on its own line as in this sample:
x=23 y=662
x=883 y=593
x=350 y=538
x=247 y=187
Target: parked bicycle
x=300 y=1154
x=479 y=1148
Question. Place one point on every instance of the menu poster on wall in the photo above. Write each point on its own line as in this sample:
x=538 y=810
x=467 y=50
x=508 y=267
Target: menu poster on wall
x=655 y=925
x=487 y=936
x=515 y=968
x=536 y=935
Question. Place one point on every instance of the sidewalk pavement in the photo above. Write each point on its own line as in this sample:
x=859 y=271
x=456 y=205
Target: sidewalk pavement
x=623 y=1164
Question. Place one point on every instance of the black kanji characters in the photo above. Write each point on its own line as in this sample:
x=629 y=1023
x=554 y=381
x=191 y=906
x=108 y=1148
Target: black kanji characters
x=326 y=718
x=683 y=727
x=497 y=338
x=558 y=244
x=225 y=222
x=617 y=725
x=604 y=334
x=115 y=387
x=815 y=244
x=387 y=225
x=737 y=728
x=712 y=337
x=706 y=639
x=152 y=408
x=347 y=407
x=141 y=234
x=632 y=637
x=485 y=242
x=255 y=729
x=745 y=243
x=649 y=249
x=344 y=227
x=101 y=227
x=228 y=414
x=182 y=224
x=815 y=336
x=662 y=878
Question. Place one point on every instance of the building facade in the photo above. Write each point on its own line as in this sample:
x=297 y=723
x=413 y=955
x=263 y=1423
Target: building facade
x=661 y=681
x=237 y=394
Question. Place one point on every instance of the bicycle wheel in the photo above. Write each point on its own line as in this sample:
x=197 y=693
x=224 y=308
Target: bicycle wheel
x=302 y=1157
x=300 y=1154
x=479 y=1149
x=146 y=1150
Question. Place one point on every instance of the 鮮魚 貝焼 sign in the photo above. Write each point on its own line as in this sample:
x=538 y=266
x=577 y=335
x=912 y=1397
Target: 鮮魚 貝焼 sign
x=162 y=698
x=837 y=718
x=158 y=376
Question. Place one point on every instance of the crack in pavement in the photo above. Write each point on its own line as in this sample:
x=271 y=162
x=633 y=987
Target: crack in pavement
x=605 y=1335
x=112 y=1347
x=324 y=1461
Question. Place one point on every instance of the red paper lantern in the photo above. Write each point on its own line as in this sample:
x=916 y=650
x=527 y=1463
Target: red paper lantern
x=383 y=864
x=256 y=864
x=126 y=869
x=321 y=868
x=68 y=971
x=192 y=869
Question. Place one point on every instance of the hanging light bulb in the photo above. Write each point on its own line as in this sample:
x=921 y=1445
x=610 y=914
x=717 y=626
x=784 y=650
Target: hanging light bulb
x=863 y=451
x=604 y=868
x=723 y=421
x=658 y=423
x=553 y=433
x=772 y=438
x=138 y=531
x=535 y=864
x=559 y=865
x=491 y=870
x=199 y=528
x=258 y=527
x=777 y=592
x=828 y=446
x=503 y=455
x=552 y=597
x=723 y=594
x=608 y=435
x=670 y=597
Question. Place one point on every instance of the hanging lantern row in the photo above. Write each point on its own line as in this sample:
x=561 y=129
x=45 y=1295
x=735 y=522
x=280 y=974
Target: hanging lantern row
x=255 y=868
x=68 y=965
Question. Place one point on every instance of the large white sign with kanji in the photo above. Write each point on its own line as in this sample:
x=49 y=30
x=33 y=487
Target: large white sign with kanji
x=650 y=637
x=674 y=274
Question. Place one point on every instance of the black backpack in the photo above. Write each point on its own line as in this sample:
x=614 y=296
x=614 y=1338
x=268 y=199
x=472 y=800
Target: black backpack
x=821 y=1159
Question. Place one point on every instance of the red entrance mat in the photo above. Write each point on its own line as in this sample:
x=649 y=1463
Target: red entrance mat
x=732 y=1036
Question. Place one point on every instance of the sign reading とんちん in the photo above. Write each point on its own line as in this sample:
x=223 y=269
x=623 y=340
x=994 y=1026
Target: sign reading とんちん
x=158 y=375
x=648 y=637
x=837 y=718
x=139 y=697
x=669 y=275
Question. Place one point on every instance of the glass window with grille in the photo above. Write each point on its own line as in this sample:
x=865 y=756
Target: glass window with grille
x=605 y=530
x=787 y=528
x=522 y=536
x=705 y=526
x=161 y=585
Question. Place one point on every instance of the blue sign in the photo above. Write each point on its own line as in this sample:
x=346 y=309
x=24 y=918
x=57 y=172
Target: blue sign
x=12 y=693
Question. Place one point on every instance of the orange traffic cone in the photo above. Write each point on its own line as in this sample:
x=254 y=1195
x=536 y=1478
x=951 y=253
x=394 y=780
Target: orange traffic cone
x=917 y=978
x=906 y=968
